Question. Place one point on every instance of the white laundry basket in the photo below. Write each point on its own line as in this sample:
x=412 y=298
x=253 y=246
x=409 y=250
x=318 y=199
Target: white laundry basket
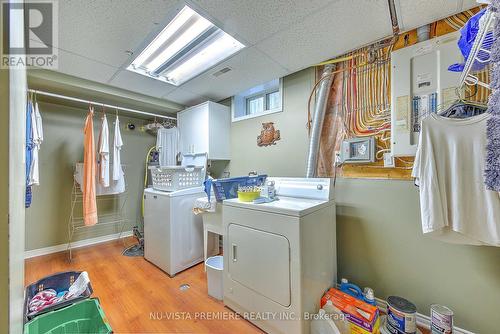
x=215 y=265
x=174 y=178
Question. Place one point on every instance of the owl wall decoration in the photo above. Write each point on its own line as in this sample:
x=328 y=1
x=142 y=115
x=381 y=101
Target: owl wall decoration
x=268 y=135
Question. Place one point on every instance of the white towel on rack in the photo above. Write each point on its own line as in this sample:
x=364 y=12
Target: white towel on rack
x=117 y=147
x=116 y=187
x=167 y=144
x=103 y=153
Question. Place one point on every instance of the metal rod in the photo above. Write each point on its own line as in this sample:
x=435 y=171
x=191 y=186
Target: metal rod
x=394 y=18
x=69 y=98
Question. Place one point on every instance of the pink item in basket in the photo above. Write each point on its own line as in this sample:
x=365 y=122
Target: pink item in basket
x=43 y=299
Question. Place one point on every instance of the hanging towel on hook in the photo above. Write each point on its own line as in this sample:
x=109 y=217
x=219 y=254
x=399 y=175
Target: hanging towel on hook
x=89 y=171
x=117 y=147
x=103 y=152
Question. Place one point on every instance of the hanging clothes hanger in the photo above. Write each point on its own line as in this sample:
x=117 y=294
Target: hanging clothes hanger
x=462 y=107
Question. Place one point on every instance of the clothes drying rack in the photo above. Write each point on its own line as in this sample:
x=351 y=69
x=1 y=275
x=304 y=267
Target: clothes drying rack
x=113 y=218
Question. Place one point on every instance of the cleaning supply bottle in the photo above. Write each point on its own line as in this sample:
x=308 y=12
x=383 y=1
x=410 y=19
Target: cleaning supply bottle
x=271 y=190
x=351 y=289
x=338 y=317
x=322 y=324
x=369 y=296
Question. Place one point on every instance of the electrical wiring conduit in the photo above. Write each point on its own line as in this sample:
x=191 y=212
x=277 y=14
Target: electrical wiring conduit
x=318 y=118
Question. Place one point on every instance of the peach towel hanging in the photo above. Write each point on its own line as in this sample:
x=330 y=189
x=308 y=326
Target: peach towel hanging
x=89 y=172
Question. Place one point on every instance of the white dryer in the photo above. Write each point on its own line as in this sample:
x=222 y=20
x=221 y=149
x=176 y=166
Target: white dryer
x=280 y=257
x=173 y=234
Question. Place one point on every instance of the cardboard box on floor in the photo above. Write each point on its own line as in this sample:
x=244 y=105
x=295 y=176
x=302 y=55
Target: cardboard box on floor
x=363 y=317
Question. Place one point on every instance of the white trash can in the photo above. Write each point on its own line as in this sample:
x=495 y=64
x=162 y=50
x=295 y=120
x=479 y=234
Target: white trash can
x=215 y=265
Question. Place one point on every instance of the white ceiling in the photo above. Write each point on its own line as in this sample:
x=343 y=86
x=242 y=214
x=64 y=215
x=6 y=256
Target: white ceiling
x=282 y=37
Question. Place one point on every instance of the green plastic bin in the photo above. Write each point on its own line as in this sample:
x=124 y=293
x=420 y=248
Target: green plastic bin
x=83 y=317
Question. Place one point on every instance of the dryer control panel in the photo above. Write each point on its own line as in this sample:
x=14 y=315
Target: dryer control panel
x=312 y=188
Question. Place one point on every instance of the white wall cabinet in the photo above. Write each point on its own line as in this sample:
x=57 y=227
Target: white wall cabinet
x=206 y=128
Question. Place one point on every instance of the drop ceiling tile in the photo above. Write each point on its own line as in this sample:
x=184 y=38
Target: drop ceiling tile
x=249 y=68
x=103 y=30
x=257 y=19
x=85 y=68
x=413 y=14
x=141 y=84
x=185 y=97
x=340 y=27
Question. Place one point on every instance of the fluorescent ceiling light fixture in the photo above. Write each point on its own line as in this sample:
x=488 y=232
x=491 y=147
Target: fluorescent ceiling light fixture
x=185 y=48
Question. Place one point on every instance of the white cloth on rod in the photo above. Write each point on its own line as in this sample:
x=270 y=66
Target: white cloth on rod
x=455 y=205
x=117 y=146
x=167 y=144
x=103 y=153
x=116 y=187
x=37 y=135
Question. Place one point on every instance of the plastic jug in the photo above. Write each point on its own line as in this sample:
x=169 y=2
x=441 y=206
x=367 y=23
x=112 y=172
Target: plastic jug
x=338 y=317
x=355 y=291
x=351 y=289
x=322 y=324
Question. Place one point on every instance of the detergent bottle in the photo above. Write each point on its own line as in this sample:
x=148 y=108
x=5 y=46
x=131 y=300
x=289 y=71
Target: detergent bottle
x=355 y=291
x=351 y=289
x=369 y=296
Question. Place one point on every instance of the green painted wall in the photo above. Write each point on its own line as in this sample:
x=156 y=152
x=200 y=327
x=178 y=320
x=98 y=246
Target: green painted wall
x=379 y=239
x=380 y=244
x=47 y=218
x=275 y=159
x=4 y=201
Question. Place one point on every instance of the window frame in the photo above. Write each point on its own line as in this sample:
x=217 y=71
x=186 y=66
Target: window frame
x=255 y=97
x=262 y=93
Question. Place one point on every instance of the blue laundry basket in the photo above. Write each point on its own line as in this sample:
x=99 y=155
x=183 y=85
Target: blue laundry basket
x=228 y=188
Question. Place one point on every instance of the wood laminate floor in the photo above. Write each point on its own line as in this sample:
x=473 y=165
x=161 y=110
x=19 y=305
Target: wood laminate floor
x=137 y=297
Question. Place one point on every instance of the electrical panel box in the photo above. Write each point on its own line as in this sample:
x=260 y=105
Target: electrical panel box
x=358 y=150
x=421 y=84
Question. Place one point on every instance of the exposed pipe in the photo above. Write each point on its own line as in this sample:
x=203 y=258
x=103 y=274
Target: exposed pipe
x=394 y=22
x=423 y=32
x=318 y=118
x=394 y=18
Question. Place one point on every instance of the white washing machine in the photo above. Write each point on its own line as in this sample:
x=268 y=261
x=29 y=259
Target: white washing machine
x=280 y=257
x=173 y=234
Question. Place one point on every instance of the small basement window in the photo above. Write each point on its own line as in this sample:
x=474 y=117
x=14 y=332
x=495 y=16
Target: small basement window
x=258 y=101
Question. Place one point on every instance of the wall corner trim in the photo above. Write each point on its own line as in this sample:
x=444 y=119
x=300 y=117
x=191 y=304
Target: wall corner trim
x=77 y=244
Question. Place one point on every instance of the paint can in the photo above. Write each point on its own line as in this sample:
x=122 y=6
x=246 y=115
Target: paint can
x=441 y=319
x=401 y=316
